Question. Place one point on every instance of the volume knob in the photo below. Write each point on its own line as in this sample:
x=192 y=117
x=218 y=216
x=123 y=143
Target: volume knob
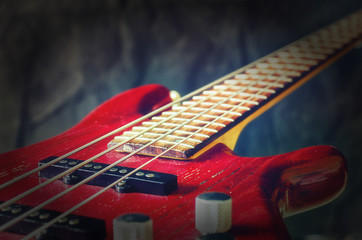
x=213 y=212
x=133 y=226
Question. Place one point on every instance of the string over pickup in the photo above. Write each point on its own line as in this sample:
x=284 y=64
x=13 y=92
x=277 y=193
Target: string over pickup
x=70 y=227
x=142 y=181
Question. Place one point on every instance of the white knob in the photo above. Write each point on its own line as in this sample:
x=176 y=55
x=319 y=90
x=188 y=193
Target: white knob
x=133 y=226
x=213 y=212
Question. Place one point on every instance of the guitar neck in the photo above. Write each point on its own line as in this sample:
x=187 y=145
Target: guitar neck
x=232 y=101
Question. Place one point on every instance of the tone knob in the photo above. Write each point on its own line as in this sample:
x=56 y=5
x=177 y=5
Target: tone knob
x=133 y=226
x=213 y=212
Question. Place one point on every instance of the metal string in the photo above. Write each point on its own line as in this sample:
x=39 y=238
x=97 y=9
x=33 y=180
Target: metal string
x=143 y=165
x=135 y=122
x=8 y=224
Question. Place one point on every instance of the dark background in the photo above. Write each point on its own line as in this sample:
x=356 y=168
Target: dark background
x=60 y=59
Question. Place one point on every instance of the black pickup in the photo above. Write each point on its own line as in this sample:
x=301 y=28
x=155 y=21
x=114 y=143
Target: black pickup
x=142 y=181
x=70 y=227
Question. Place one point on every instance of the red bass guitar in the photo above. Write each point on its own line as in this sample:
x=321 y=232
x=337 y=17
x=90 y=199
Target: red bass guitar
x=163 y=168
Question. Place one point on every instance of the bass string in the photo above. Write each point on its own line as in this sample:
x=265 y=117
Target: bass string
x=19 y=218
x=111 y=185
x=240 y=70
x=188 y=96
x=56 y=219
x=214 y=83
x=18 y=178
x=173 y=130
x=149 y=115
x=26 y=193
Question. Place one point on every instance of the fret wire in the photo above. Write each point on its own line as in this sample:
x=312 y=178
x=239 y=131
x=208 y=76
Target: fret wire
x=205 y=115
x=189 y=126
x=179 y=131
x=158 y=134
x=212 y=110
x=159 y=141
x=182 y=119
x=218 y=98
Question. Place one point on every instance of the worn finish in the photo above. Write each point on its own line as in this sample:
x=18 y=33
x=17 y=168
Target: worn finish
x=263 y=189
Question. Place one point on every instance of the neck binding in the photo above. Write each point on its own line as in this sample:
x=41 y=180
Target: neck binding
x=242 y=95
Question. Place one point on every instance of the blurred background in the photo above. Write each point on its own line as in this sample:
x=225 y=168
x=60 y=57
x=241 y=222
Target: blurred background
x=61 y=59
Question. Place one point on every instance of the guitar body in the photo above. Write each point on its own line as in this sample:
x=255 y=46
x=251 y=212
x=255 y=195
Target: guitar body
x=263 y=189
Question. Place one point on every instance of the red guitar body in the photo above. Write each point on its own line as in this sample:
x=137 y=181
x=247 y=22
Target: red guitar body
x=263 y=190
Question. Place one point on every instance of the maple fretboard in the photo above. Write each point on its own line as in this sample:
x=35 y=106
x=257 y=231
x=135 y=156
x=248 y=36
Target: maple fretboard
x=241 y=95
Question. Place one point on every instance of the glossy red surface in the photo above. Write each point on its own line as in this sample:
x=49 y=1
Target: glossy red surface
x=264 y=190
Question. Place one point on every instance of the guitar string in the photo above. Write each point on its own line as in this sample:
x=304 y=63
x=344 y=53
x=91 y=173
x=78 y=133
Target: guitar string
x=149 y=115
x=18 y=178
x=56 y=219
x=216 y=82
x=37 y=187
x=89 y=199
x=288 y=45
x=113 y=164
x=244 y=89
x=153 y=113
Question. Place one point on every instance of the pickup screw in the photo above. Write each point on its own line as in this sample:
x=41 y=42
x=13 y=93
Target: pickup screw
x=74 y=221
x=6 y=209
x=34 y=214
x=122 y=187
x=70 y=179
x=63 y=220
x=89 y=165
x=44 y=235
x=44 y=216
x=16 y=210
